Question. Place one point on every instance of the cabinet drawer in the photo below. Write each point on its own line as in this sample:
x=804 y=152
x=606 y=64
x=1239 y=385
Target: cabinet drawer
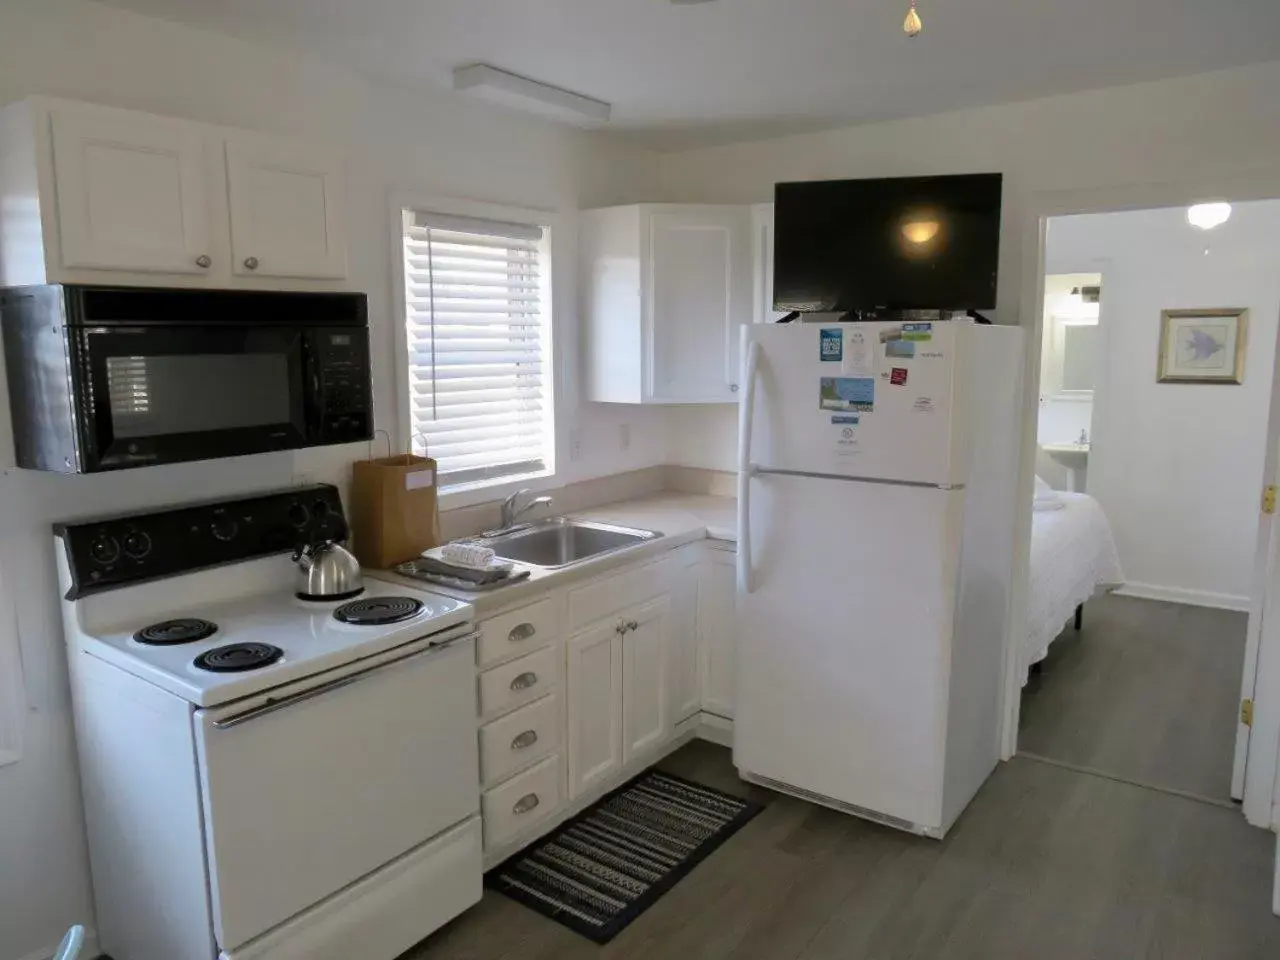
x=508 y=685
x=606 y=597
x=519 y=738
x=517 y=632
x=522 y=802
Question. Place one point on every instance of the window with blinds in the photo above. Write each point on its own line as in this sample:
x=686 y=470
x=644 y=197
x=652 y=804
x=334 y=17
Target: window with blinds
x=478 y=331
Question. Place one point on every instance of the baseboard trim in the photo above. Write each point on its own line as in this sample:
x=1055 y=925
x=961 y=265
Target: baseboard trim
x=90 y=948
x=1196 y=598
x=715 y=729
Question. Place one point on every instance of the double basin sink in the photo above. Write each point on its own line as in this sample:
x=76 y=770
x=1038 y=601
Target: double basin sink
x=563 y=541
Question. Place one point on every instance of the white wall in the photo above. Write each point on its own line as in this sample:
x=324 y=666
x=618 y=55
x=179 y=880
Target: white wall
x=1209 y=129
x=396 y=140
x=1178 y=467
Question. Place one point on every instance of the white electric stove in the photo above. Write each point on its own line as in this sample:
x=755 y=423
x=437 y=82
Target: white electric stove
x=265 y=778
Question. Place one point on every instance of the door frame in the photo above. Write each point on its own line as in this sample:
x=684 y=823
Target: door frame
x=1037 y=209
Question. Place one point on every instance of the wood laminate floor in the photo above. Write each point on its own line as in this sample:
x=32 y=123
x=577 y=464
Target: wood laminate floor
x=1147 y=691
x=1047 y=863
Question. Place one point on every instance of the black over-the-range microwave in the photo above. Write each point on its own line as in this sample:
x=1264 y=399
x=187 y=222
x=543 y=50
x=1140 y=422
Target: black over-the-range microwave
x=107 y=378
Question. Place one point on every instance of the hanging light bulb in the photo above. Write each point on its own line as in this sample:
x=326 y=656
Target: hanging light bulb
x=913 y=24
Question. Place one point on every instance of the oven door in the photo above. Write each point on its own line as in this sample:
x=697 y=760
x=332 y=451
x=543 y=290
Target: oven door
x=162 y=394
x=309 y=791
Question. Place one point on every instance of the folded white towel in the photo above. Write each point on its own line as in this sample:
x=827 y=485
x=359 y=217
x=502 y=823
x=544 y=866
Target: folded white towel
x=1045 y=493
x=1044 y=506
x=467 y=555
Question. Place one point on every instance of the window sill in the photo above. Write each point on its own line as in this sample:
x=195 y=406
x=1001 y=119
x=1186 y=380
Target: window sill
x=490 y=491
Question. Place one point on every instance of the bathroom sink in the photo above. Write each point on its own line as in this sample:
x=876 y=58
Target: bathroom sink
x=1073 y=456
x=562 y=542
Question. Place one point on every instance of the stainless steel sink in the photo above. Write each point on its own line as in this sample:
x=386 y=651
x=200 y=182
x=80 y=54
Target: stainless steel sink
x=562 y=541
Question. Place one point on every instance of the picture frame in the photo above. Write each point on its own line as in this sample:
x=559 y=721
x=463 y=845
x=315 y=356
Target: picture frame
x=1203 y=345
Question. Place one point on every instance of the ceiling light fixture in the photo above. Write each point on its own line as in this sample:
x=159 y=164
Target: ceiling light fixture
x=913 y=24
x=921 y=232
x=1207 y=216
x=513 y=90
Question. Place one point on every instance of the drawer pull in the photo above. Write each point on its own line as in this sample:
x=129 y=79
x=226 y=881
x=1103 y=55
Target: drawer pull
x=524 y=741
x=524 y=681
x=526 y=803
x=521 y=631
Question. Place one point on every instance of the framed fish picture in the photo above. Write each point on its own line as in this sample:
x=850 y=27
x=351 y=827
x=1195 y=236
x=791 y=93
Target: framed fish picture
x=1202 y=346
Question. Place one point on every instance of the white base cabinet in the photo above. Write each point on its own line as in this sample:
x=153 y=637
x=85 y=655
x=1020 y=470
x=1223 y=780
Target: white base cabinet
x=666 y=290
x=585 y=686
x=595 y=706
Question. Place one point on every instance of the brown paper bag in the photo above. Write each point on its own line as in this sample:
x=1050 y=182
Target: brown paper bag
x=394 y=514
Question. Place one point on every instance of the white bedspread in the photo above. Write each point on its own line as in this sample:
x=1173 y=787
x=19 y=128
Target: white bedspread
x=1073 y=555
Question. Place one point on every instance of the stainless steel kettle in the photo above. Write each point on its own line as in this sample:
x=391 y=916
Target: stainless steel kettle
x=327 y=571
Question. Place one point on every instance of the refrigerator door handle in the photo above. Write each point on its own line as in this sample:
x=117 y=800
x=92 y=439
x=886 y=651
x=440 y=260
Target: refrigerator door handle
x=746 y=469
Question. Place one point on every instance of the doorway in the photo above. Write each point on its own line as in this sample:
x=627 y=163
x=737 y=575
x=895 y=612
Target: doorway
x=1148 y=553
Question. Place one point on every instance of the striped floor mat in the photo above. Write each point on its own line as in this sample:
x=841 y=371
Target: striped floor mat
x=608 y=865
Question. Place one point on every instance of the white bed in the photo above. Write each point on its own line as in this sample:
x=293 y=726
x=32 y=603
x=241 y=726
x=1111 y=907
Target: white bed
x=1073 y=557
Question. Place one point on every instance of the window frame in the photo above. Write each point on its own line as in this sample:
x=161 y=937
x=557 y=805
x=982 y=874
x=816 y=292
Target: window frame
x=482 y=491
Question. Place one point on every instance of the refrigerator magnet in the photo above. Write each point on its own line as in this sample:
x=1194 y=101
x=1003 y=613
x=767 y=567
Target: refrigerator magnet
x=917 y=332
x=846 y=440
x=856 y=394
x=900 y=349
x=859 y=358
x=898 y=376
x=830 y=345
x=923 y=405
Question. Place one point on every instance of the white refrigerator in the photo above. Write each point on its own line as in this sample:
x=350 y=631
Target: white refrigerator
x=876 y=500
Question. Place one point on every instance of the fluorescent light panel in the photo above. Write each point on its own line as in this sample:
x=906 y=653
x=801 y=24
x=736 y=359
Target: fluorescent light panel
x=513 y=90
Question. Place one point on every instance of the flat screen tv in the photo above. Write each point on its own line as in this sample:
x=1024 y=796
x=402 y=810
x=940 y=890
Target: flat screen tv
x=903 y=243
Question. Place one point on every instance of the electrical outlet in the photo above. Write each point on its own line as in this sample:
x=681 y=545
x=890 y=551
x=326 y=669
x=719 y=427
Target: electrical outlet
x=624 y=437
x=575 y=444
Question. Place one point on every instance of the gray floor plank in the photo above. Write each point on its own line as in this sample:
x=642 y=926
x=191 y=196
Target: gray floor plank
x=1046 y=863
x=1147 y=691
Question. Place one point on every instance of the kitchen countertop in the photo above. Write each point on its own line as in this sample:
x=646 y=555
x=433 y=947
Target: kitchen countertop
x=681 y=518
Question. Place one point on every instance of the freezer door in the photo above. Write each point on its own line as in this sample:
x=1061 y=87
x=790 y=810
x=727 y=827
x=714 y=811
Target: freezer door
x=857 y=399
x=845 y=640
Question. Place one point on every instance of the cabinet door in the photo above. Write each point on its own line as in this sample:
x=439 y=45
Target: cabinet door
x=132 y=191
x=698 y=298
x=646 y=720
x=762 y=264
x=682 y=659
x=595 y=706
x=716 y=630
x=287 y=208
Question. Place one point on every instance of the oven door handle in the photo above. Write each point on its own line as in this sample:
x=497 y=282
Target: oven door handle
x=271 y=706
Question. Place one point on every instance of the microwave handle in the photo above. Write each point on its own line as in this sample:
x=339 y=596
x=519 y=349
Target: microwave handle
x=311 y=385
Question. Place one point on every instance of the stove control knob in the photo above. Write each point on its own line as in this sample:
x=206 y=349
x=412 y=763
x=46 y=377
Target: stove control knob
x=137 y=544
x=224 y=527
x=105 y=550
x=298 y=515
x=321 y=509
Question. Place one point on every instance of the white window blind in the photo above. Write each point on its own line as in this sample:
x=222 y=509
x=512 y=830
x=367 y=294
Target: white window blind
x=478 y=333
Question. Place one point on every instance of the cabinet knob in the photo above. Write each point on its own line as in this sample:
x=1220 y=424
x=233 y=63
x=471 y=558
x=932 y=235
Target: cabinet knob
x=733 y=388
x=632 y=625
x=524 y=681
x=525 y=804
x=204 y=261
x=251 y=263
x=525 y=740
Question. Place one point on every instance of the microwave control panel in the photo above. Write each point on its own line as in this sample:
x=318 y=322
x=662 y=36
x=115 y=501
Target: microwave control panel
x=342 y=376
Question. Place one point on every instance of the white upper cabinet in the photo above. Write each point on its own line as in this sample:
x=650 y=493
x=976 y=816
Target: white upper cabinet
x=287 y=208
x=667 y=288
x=132 y=191
x=95 y=194
x=762 y=264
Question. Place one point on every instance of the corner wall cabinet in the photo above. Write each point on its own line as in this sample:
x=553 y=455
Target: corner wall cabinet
x=95 y=194
x=666 y=291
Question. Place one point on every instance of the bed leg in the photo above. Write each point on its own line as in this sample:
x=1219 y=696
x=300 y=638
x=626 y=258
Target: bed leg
x=1080 y=616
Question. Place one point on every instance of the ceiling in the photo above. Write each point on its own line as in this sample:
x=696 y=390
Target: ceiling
x=736 y=69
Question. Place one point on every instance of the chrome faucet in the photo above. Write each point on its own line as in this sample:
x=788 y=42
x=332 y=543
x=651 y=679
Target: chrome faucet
x=511 y=513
